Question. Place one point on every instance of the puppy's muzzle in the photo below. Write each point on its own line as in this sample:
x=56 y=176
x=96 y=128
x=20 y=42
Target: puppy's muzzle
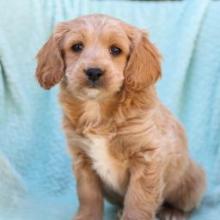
x=94 y=74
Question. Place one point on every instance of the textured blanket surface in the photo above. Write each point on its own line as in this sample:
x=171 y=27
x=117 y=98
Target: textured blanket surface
x=36 y=181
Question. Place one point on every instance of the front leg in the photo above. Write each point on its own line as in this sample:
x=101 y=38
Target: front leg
x=144 y=193
x=88 y=188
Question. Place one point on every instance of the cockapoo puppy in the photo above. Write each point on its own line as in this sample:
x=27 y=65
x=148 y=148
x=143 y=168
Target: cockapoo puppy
x=126 y=145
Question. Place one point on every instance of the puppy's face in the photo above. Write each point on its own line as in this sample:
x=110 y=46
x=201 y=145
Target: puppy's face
x=96 y=56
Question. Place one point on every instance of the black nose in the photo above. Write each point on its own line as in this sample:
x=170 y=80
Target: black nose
x=94 y=73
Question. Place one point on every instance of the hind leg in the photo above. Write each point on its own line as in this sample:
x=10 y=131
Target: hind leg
x=185 y=196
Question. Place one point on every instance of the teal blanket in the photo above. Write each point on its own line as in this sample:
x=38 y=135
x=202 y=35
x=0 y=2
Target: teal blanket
x=35 y=170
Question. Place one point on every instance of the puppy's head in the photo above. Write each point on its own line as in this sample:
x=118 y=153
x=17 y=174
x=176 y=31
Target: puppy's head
x=97 y=56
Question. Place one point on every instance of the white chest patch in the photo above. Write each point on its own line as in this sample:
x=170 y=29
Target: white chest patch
x=103 y=163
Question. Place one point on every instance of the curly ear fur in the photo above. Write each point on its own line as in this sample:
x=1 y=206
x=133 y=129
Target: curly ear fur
x=143 y=67
x=51 y=68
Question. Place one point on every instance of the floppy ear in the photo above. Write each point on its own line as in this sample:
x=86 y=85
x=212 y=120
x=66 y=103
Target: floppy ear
x=50 y=67
x=143 y=68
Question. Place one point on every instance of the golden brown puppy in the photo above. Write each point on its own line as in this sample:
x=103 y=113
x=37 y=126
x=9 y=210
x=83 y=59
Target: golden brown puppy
x=125 y=144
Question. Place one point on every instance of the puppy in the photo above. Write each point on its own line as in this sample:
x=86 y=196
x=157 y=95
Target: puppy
x=126 y=145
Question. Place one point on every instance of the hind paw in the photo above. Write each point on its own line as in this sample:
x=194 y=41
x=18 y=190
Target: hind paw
x=169 y=213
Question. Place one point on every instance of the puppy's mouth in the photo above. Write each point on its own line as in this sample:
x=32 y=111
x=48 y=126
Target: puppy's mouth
x=94 y=84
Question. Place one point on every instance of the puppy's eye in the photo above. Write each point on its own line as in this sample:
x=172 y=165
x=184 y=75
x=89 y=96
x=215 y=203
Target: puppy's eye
x=115 y=51
x=77 y=47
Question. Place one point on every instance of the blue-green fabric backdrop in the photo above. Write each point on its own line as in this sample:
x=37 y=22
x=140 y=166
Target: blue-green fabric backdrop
x=35 y=170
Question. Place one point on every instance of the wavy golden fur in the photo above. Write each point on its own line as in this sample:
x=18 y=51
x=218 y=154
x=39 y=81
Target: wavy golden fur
x=126 y=146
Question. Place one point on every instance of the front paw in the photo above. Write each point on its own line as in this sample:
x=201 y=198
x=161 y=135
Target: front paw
x=124 y=216
x=92 y=216
x=135 y=216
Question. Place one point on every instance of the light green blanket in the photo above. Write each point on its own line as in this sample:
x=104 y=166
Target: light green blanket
x=35 y=170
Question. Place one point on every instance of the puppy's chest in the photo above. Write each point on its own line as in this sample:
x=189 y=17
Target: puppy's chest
x=112 y=172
